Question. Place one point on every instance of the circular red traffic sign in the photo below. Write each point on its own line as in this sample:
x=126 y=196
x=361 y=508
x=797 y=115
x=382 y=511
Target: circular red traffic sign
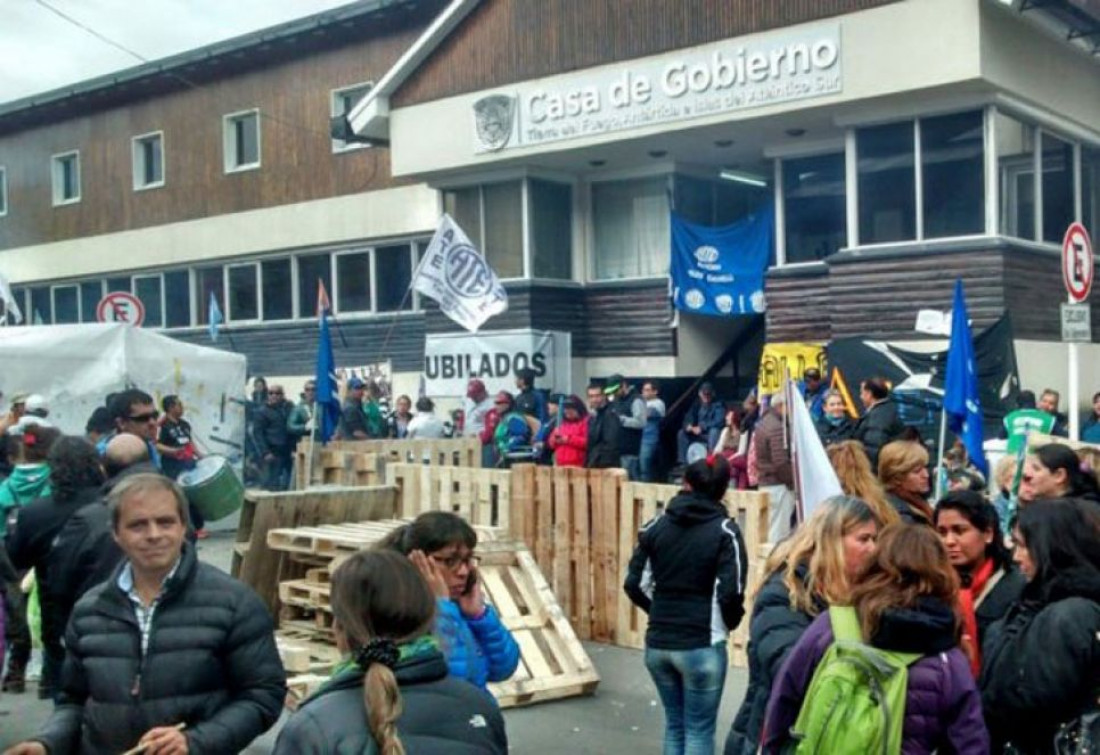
x=120 y=306
x=1077 y=267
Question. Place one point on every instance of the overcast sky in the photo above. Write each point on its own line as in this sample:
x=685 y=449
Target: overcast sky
x=42 y=51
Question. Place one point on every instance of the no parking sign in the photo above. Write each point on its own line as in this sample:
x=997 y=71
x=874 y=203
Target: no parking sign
x=119 y=306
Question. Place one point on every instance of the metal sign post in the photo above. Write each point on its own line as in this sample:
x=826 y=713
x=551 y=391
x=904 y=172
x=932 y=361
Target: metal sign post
x=1077 y=272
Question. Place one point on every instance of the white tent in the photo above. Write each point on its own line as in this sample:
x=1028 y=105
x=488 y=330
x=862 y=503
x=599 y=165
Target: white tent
x=75 y=366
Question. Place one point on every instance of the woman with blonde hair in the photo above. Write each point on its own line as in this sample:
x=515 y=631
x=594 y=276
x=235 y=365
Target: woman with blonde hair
x=391 y=694
x=812 y=569
x=903 y=472
x=853 y=471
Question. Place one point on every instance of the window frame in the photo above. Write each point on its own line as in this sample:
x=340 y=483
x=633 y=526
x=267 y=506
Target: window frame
x=229 y=141
x=159 y=276
x=665 y=172
x=334 y=270
x=136 y=143
x=57 y=186
x=227 y=305
x=337 y=147
x=3 y=190
x=53 y=301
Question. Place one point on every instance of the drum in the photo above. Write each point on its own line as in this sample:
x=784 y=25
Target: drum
x=213 y=488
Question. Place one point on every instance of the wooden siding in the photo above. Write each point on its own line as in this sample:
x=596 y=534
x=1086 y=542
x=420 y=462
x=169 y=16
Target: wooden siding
x=292 y=349
x=798 y=307
x=1034 y=291
x=505 y=41
x=296 y=150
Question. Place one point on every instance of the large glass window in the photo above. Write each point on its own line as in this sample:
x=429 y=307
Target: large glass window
x=278 y=304
x=694 y=199
x=1057 y=163
x=952 y=173
x=1090 y=190
x=887 y=189
x=208 y=280
x=177 y=297
x=393 y=265
x=41 y=312
x=90 y=294
x=504 y=228
x=1016 y=169
x=551 y=213
x=66 y=304
x=464 y=207
x=311 y=268
x=631 y=228
x=244 y=293
x=147 y=289
x=813 y=207
x=20 y=296
x=353 y=282
x=118 y=284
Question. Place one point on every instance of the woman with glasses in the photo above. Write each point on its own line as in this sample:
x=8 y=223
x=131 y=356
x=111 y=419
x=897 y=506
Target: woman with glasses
x=479 y=648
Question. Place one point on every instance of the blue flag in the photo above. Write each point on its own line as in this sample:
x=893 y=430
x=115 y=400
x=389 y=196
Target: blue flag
x=720 y=271
x=214 y=317
x=328 y=395
x=960 y=387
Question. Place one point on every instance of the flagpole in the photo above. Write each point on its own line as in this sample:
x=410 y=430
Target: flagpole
x=943 y=440
x=339 y=330
x=393 y=320
x=312 y=440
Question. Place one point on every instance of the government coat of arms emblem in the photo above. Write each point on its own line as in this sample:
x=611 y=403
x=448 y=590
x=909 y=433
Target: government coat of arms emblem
x=494 y=116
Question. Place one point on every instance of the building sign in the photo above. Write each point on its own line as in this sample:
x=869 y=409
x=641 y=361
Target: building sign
x=1076 y=323
x=451 y=360
x=717 y=78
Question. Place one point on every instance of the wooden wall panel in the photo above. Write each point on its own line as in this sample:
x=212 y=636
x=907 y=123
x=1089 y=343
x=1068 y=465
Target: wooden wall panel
x=1033 y=292
x=798 y=307
x=505 y=41
x=628 y=320
x=297 y=159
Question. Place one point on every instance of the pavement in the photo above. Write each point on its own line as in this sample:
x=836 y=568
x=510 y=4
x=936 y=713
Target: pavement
x=623 y=716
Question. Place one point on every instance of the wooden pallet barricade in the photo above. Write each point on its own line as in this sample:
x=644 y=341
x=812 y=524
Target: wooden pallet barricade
x=363 y=462
x=481 y=496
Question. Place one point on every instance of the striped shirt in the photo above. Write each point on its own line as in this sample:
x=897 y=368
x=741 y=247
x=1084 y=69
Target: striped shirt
x=144 y=614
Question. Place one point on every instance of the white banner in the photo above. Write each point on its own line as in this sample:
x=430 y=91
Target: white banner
x=455 y=274
x=450 y=360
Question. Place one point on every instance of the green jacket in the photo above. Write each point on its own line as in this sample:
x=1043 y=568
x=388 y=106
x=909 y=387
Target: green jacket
x=376 y=423
x=26 y=483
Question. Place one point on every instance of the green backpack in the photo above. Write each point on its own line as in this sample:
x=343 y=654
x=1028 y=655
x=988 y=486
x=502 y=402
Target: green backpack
x=855 y=704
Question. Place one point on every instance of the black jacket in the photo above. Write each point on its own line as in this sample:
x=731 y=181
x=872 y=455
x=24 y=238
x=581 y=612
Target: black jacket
x=877 y=427
x=830 y=433
x=603 y=440
x=774 y=630
x=272 y=434
x=211 y=664
x=1041 y=663
x=696 y=558
x=630 y=438
x=442 y=714
x=998 y=600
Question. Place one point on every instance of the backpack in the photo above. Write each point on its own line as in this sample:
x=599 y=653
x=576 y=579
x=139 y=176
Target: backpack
x=855 y=703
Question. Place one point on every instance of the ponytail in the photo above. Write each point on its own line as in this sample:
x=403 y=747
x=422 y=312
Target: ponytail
x=384 y=706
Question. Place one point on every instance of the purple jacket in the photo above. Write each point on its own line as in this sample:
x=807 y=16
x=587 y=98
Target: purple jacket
x=943 y=711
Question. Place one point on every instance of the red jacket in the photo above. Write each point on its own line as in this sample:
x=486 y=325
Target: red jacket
x=570 y=442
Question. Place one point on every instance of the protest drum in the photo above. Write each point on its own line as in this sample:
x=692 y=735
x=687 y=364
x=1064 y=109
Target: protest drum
x=213 y=488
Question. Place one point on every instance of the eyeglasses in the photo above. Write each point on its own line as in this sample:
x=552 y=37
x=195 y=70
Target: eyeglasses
x=147 y=417
x=453 y=562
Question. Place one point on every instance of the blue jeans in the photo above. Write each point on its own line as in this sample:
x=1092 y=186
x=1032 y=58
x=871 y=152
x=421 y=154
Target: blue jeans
x=647 y=459
x=690 y=684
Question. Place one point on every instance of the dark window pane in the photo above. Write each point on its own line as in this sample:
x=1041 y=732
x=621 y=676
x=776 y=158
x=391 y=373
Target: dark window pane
x=277 y=290
x=631 y=225
x=695 y=200
x=243 y=294
x=208 y=280
x=353 y=282
x=394 y=267
x=177 y=297
x=147 y=289
x=1016 y=167
x=504 y=228
x=887 y=185
x=118 y=284
x=20 y=296
x=344 y=103
x=464 y=206
x=953 y=175
x=733 y=200
x=813 y=207
x=65 y=306
x=90 y=294
x=1090 y=190
x=41 y=311
x=248 y=139
x=311 y=268
x=551 y=230
x=1057 y=188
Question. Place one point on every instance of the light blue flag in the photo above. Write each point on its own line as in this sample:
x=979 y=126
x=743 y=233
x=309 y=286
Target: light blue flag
x=214 y=317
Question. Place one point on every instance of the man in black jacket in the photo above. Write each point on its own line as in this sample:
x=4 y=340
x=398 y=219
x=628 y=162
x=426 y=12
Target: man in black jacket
x=166 y=641
x=629 y=407
x=880 y=424
x=603 y=432
x=273 y=438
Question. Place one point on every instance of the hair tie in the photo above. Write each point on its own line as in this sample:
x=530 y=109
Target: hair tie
x=710 y=460
x=1086 y=468
x=29 y=439
x=378 y=650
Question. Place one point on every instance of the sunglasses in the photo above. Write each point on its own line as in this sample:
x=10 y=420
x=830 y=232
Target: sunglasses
x=148 y=417
x=452 y=562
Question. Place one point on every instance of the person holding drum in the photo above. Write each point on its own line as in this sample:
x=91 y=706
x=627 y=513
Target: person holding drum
x=178 y=452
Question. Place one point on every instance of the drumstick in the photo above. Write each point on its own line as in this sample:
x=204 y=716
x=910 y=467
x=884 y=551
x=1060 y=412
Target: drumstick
x=141 y=748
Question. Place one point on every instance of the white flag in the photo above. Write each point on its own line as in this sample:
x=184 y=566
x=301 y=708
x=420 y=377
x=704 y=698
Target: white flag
x=455 y=274
x=817 y=479
x=10 y=305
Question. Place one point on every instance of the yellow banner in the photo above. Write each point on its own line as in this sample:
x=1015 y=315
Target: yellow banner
x=778 y=358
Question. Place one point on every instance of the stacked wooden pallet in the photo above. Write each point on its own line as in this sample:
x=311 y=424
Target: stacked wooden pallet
x=553 y=662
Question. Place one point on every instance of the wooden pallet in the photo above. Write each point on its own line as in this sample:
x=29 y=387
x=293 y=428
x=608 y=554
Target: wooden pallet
x=336 y=541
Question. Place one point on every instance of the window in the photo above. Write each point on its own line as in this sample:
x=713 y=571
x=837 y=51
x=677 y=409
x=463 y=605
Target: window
x=393 y=267
x=90 y=294
x=41 y=313
x=1090 y=189
x=208 y=280
x=814 y=207
x=353 y=282
x=66 y=178
x=118 y=284
x=694 y=199
x=20 y=296
x=244 y=293
x=3 y=191
x=242 y=141
x=952 y=172
x=147 y=288
x=631 y=228
x=177 y=299
x=66 y=304
x=1057 y=164
x=492 y=216
x=551 y=213
x=148 y=159
x=343 y=101
x=1016 y=168
x=311 y=268
x=277 y=289
x=887 y=189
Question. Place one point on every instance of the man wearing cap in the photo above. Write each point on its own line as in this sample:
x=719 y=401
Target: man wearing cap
x=628 y=406
x=528 y=400
x=813 y=390
x=476 y=409
x=702 y=423
x=353 y=422
x=18 y=407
